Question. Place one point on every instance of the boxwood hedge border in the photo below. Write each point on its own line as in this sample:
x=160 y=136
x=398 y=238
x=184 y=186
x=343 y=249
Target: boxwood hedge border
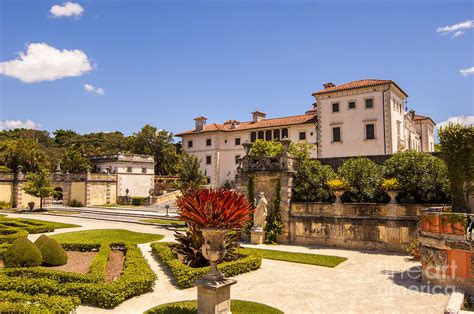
x=186 y=275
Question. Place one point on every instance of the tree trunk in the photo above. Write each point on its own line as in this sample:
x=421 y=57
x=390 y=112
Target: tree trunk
x=41 y=203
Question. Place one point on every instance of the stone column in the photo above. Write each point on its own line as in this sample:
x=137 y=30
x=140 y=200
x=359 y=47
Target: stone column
x=107 y=193
x=88 y=187
x=214 y=297
x=18 y=180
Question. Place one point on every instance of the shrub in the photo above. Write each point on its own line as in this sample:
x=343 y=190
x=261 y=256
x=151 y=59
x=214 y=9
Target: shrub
x=22 y=253
x=5 y=169
x=16 y=302
x=8 y=235
x=138 y=201
x=274 y=226
x=391 y=184
x=364 y=178
x=185 y=275
x=262 y=148
x=422 y=177
x=217 y=208
x=5 y=205
x=309 y=184
x=52 y=253
x=41 y=240
x=75 y=203
x=457 y=150
x=414 y=249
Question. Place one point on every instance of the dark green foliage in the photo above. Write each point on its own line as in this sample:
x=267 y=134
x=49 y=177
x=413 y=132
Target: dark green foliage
x=24 y=152
x=74 y=162
x=262 y=148
x=75 y=203
x=309 y=184
x=52 y=252
x=423 y=177
x=16 y=302
x=457 y=150
x=22 y=253
x=41 y=240
x=236 y=307
x=39 y=185
x=274 y=226
x=186 y=275
x=364 y=178
x=5 y=169
x=189 y=244
x=138 y=201
x=189 y=173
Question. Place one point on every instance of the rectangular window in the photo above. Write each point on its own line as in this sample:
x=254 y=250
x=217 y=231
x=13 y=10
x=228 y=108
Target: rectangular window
x=253 y=136
x=143 y=170
x=208 y=160
x=129 y=169
x=336 y=134
x=276 y=134
x=190 y=144
x=284 y=133
x=302 y=135
x=237 y=141
x=208 y=180
x=369 y=103
x=335 y=107
x=208 y=142
x=237 y=159
x=351 y=104
x=261 y=135
x=370 y=131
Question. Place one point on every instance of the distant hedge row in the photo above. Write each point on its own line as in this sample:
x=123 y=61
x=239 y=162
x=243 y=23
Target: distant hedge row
x=422 y=177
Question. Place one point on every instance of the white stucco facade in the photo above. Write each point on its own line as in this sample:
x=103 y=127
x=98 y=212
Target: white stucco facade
x=369 y=114
x=134 y=172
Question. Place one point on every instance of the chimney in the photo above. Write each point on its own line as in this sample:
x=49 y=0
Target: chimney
x=412 y=114
x=231 y=124
x=200 y=123
x=328 y=85
x=258 y=116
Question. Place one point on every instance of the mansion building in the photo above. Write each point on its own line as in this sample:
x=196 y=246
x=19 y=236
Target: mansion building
x=365 y=117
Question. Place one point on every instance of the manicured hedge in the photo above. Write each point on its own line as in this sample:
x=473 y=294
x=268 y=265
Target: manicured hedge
x=137 y=278
x=186 y=275
x=16 y=302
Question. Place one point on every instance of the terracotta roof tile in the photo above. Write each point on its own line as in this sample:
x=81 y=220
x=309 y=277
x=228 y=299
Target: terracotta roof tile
x=421 y=118
x=249 y=125
x=355 y=85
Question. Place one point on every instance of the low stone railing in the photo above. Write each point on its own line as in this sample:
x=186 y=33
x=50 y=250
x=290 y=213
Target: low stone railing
x=447 y=249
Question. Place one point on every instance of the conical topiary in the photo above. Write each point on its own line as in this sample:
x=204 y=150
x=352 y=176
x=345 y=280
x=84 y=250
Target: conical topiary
x=41 y=240
x=22 y=253
x=53 y=254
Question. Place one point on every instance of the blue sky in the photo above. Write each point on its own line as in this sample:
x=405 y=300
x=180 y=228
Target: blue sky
x=165 y=62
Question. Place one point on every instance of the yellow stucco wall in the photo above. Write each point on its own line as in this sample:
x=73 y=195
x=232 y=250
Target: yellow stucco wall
x=98 y=194
x=26 y=198
x=6 y=190
x=113 y=193
x=78 y=192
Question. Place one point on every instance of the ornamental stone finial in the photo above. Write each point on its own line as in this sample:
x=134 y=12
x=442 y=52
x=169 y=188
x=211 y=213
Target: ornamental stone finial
x=247 y=146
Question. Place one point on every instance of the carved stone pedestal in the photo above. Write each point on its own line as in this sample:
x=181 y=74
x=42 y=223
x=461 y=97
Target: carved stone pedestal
x=213 y=296
x=257 y=236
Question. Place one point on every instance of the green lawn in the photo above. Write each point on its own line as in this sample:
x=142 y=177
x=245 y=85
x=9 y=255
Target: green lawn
x=174 y=223
x=107 y=236
x=236 y=307
x=303 y=258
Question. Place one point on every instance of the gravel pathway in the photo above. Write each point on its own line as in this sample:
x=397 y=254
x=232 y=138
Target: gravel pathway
x=367 y=282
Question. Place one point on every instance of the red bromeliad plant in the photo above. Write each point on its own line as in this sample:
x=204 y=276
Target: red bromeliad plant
x=219 y=208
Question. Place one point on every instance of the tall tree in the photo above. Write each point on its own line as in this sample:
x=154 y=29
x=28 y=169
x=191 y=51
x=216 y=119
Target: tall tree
x=189 y=173
x=39 y=185
x=23 y=152
x=73 y=162
x=158 y=143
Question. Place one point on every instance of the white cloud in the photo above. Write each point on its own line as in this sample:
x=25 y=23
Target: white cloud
x=465 y=120
x=17 y=124
x=456 y=28
x=67 y=9
x=92 y=89
x=41 y=62
x=467 y=71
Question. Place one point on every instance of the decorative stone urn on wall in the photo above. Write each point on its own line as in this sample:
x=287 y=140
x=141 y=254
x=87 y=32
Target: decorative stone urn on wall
x=393 y=196
x=338 y=194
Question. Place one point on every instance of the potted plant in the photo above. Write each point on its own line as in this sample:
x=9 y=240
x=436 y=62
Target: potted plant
x=453 y=223
x=31 y=205
x=214 y=212
x=392 y=187
x=338 y=187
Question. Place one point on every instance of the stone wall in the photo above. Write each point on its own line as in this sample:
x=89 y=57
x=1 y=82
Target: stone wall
x=370 y=226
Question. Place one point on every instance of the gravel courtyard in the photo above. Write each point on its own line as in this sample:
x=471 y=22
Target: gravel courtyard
x=367 y=282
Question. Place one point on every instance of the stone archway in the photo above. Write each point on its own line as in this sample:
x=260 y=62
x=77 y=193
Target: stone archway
x=58 y=197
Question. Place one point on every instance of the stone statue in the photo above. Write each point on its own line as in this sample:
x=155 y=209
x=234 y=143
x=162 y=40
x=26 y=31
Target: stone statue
x=260 y=214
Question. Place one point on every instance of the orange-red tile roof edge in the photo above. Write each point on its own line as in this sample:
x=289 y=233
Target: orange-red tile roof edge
x=357 y=84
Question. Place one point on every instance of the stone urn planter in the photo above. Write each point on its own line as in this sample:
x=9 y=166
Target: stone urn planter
x=393 y=196
x=213 y=250
x=338 y=194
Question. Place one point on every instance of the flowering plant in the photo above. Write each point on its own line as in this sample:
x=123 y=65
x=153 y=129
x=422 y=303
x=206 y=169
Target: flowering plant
x=336 y=184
